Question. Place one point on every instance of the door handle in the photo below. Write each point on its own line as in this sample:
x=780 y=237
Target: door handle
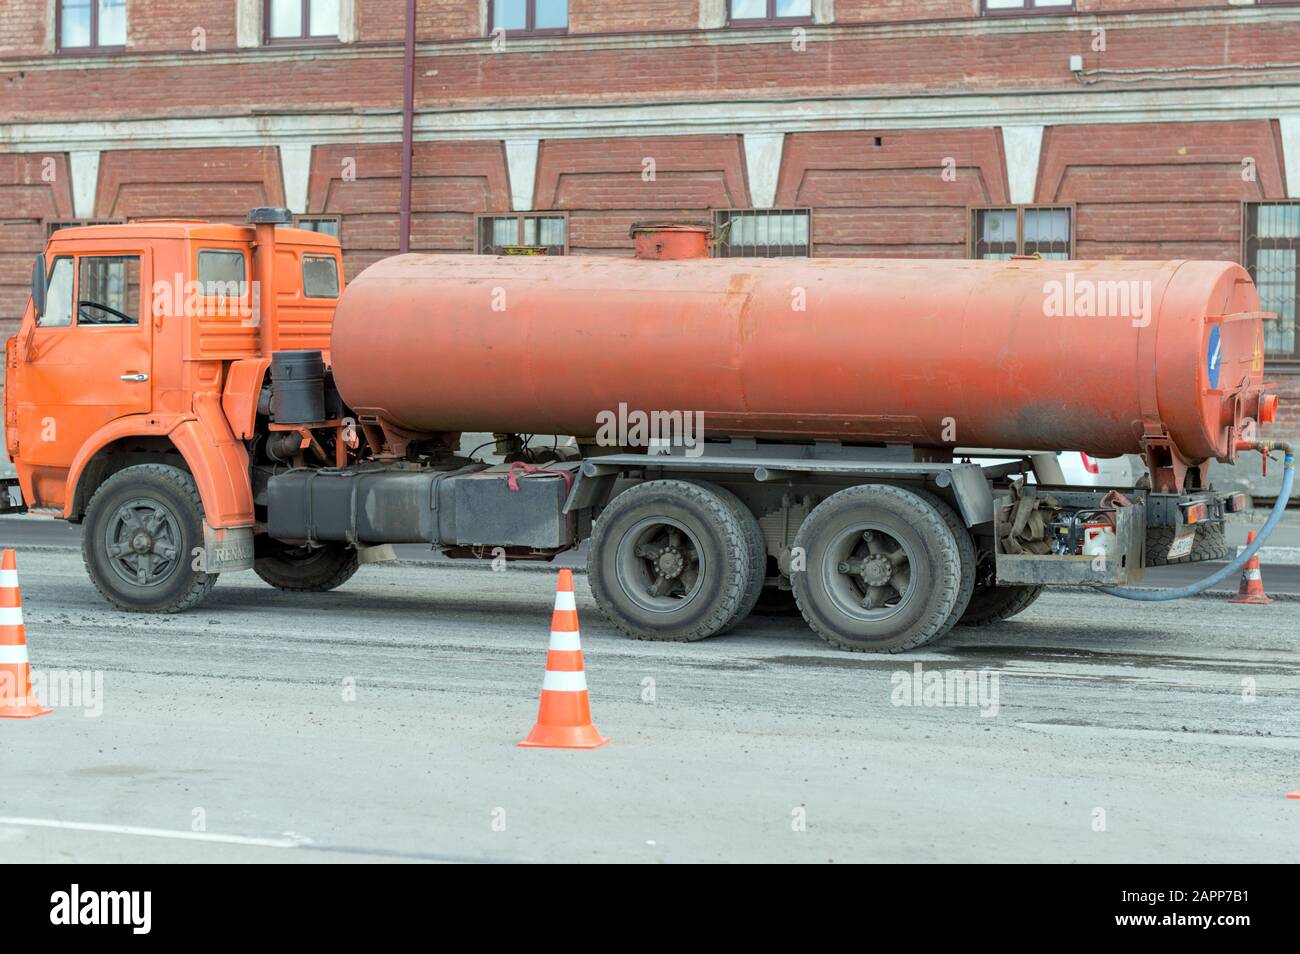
x=135 y=377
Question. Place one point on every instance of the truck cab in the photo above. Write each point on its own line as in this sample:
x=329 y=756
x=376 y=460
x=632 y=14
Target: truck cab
x=133 y=384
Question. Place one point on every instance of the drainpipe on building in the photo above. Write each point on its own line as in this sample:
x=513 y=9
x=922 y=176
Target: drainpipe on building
x=408 y=129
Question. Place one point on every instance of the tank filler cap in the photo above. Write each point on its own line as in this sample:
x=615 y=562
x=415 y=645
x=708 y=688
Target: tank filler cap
x=667 y=241
x=270 y=215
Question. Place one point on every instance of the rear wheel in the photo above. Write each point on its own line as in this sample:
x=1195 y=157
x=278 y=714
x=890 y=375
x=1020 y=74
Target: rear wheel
x=142 y=534
x=882 y=570
x=308 y=569
x=757 y=553
x=992 y=604
x=1210 y=543
x=670 y=560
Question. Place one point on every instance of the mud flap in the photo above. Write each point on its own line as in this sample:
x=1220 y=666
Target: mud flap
x=226 y=550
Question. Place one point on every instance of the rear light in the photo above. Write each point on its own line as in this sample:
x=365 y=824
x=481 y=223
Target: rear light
x=1089 y=464
x=1235 y=503
x=1195 y=512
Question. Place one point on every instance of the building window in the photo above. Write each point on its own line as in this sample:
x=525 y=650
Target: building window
x=91 y=24
x=530 y=16
x=1022 y=230
x=299 y=20
x=1017 y=7
x=523 y=235
x=754 y=12
x=324 y=224
x=762 y=233
x=1270 y=246
x=53 y=225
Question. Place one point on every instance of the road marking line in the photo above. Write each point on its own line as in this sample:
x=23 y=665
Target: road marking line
x=291 y=842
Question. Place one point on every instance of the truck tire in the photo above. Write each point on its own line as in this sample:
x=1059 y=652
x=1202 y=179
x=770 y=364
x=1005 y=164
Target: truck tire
x=308 y=570
x=1211 y=543
x=644 y=547
x=757 y=552
x=882 y=570
x=965 y=552
x=142 y=528
x=992 y=604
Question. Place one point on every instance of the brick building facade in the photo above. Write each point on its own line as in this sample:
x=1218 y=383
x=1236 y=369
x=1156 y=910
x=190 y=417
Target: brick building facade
x=937 y=128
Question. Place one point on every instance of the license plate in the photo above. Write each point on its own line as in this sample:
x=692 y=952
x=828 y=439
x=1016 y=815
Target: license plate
x=1182 y=545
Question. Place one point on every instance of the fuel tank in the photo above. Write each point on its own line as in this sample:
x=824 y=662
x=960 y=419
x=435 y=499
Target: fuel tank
x=1097 y=356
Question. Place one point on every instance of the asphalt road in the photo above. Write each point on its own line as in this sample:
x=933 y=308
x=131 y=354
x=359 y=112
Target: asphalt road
x=379 y=723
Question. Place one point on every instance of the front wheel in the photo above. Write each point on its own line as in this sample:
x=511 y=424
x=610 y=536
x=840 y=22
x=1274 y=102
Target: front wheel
x=308 y=569
x=142 y=535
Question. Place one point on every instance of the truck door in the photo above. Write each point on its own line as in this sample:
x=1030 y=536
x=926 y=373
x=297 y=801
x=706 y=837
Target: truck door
x=86 y=362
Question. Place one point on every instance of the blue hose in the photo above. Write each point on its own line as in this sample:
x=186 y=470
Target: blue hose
x=1160 y=596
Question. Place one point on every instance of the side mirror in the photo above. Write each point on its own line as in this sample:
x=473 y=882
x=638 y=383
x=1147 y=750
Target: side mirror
x=38 y=285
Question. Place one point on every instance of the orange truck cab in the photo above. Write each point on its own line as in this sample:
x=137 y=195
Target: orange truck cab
x=133 y=385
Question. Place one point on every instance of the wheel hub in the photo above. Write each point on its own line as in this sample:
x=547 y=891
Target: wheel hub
x=670 y=563
x=141 y=542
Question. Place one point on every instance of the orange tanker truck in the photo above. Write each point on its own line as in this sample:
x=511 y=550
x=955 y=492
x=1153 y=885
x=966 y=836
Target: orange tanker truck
x=206 y=398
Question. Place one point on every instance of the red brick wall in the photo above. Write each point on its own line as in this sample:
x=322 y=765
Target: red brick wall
x=1159 y=190
x=856 y=62
x=216 y=184
x=891 y=199
x=600 y=183
x=170 y=25
x=452 y=181
x=32 y=190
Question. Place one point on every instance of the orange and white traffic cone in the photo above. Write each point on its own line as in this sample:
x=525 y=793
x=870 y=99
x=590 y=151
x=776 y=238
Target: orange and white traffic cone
x=564 y=717
x=1251 y=589
x=16 y=698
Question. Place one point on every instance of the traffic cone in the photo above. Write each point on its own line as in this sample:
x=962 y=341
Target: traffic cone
x=16 y=698
x=564 y=716
x=1251 y=589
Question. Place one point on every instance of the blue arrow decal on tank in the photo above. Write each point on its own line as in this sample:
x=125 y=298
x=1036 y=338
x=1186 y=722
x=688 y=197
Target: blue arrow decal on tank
x=1212 y=356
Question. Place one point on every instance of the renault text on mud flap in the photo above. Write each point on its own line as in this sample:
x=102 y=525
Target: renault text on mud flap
x=75 y=907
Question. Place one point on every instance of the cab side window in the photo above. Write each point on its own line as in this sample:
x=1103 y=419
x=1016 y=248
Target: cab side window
x=108 y=290
x=58 y=296
x=320 y=276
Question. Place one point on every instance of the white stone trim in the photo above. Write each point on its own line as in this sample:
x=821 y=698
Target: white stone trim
x=248 y=23
x=713 y=14
x=1289 y=126
x=763 y=163
x=83 y=166
x=295 y=170
x=347 y=21
x=521 y=163
x=51 y=26
x=537 y=121
x=1023 y=145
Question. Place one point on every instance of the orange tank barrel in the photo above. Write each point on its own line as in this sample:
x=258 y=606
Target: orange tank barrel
x=1028 y=354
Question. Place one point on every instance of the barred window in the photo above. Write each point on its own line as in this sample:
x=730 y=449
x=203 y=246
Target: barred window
x=523 y=234
x=999 y=233
x=322 y=224
x=762 y=233
x=1270 y=242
